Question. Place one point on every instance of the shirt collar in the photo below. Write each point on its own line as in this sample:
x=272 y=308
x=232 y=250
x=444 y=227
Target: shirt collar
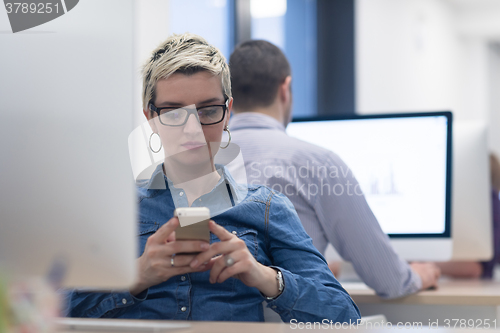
x=247 y=120
x=159 y=181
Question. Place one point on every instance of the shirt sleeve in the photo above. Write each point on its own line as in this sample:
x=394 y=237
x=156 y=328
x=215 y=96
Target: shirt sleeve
x=311 y=292
x=352 y=228
x=83 y=304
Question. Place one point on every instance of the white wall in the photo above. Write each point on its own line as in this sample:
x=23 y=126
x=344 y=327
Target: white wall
x=426 y=55
x=407 y=54
x=151 y=27
x=478 y=18
x=473 y=80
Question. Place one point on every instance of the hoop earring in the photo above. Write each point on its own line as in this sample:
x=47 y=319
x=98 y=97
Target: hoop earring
x=229 y=141
x=154 y=151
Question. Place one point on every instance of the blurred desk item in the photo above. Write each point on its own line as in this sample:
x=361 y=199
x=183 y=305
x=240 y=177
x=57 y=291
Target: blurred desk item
x=454 y=299
x=118 y=325
x=244 y=327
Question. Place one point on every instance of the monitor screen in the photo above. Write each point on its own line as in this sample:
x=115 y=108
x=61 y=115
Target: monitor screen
x=401 y=161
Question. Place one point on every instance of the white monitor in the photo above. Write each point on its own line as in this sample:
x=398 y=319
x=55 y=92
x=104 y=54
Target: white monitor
x=471 y=212
x=403 y=165
x=67 y=192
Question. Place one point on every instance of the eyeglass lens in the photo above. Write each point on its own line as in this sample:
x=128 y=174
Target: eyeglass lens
x=207 y=115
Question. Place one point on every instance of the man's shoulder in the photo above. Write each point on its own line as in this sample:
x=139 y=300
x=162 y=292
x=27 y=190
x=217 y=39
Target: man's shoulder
x=306 y=151
x=278 y=147
x=306 y=146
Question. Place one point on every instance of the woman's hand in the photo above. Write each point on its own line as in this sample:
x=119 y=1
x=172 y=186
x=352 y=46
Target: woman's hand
x=245 y=267
x=155 y=264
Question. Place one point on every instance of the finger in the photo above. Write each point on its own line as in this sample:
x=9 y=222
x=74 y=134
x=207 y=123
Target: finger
x=220 y=231
x=174 y=271
x=218 y=266
x=232 y=271
x=171 y=237
x=209 y=265
x=181 y=260
x=214 y=249
x=434 y=283
x=221 y=266
x=187 y=246
x=162 y=270
x=162 y=234
x=202 y=267
x=435 y=276
x=438 y=275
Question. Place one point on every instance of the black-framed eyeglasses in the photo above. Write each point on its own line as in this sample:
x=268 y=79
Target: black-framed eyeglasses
x=207 y=115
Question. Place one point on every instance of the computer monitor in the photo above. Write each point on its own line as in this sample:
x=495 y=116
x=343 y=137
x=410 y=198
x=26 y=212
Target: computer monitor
x=403 y=165
x=67 y=191
x=471 y=212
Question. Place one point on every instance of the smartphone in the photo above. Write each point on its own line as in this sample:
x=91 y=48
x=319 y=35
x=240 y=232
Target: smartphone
x=193 y=223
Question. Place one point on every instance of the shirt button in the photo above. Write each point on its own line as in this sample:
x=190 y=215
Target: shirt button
x=183 y=278
x=183 y=309
x=181 y=194
x=124 y=301
x=274 y=306
x=199 y=199
x=234 y=232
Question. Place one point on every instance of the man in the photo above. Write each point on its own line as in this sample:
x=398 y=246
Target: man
x=261 y=79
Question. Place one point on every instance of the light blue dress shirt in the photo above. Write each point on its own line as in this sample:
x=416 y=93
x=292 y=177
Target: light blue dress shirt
x=330 y=205
x=270 y=227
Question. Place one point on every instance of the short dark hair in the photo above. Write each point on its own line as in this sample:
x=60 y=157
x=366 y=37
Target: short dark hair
x=258 y=68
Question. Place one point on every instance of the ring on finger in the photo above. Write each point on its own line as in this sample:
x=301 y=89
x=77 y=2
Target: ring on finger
x=172 y=260
x=228 y=260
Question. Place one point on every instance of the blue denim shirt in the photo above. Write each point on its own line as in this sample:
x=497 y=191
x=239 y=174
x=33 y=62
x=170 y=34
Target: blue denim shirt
x=271 y=229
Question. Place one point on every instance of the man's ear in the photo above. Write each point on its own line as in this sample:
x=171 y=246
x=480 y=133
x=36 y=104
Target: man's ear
x=285 y=91
x=152 y=124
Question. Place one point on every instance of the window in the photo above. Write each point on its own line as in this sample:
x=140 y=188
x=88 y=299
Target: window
x=210 y=19
x=291 y=25
x=317 y=36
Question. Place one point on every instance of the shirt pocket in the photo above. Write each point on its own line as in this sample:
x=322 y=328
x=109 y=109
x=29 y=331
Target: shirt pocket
x=145 y=230
x=249 y=236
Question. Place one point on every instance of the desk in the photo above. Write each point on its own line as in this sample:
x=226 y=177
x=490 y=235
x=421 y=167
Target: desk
x=460 y=299
x=240 y=327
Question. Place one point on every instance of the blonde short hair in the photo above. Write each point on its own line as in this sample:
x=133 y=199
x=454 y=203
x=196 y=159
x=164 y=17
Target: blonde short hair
x=188 y=54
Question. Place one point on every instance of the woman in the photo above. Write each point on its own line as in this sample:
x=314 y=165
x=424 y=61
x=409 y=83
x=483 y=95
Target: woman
x=258 y=249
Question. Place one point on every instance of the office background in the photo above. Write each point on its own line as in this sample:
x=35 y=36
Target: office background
x=354 y=56
x=407 y=55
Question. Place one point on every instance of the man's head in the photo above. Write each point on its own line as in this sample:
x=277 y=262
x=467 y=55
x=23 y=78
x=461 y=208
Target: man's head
x=261 y=80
